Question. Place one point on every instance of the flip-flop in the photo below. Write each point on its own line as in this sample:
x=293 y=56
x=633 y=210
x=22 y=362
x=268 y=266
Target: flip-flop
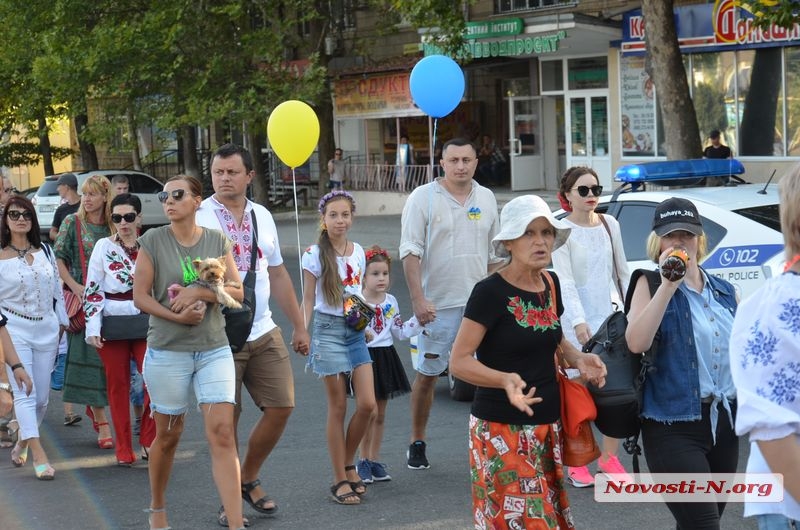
x=19 y=455
x=257 y=505
x=44 y=472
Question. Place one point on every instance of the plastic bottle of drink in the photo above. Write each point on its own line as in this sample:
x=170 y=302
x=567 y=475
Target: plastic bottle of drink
x=674 y=266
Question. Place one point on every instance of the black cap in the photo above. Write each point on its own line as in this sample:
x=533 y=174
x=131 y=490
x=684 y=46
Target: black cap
x=714 y=134
x=68 y=179
x=677 y=214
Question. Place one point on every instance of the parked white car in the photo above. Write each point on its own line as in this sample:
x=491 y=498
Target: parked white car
x=741 y=220
x=46 y=199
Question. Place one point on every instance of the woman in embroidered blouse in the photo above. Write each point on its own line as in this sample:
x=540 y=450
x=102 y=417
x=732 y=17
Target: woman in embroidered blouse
x=109 y=291
x=688 y=401
x=594 y=275
x=511 y=325
x=765 y=362
x=29 y=284
x=84 y=375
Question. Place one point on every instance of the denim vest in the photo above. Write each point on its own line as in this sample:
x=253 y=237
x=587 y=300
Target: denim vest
x=672 y=387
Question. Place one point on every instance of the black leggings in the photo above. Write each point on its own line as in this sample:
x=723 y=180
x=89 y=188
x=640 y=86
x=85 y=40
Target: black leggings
x=687 y=447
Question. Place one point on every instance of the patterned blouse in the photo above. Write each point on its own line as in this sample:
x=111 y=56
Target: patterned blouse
x=110 y=270
x=66 y=246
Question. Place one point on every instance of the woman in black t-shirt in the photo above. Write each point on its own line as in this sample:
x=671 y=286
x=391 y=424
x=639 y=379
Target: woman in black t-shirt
x=511 y=324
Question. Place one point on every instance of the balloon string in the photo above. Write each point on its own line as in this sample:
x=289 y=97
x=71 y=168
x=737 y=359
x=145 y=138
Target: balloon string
x=433 y=147
x=299 y=251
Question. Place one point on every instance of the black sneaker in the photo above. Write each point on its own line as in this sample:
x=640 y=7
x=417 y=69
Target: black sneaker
x=416 y=456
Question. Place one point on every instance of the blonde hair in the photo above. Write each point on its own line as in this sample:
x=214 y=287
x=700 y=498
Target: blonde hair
x=790 y=211
x=100 y=185
x=654 y=247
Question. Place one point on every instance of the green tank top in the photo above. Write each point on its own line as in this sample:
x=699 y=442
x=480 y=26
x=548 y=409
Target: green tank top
x=172 y=263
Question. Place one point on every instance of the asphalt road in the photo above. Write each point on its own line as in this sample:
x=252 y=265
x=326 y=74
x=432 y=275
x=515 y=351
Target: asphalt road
x=91 y=492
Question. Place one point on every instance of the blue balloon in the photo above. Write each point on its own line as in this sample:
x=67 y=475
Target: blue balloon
x=437 y=85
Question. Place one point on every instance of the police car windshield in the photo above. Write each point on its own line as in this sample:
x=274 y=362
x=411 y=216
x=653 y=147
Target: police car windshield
x=765 y=215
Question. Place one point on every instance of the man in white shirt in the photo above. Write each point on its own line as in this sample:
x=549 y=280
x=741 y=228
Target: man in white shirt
x=263 y=363
x=446 y=248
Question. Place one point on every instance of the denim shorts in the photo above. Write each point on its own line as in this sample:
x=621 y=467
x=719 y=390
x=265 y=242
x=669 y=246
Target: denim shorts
x=335 y=347
x=169 y=375
x=435 y=342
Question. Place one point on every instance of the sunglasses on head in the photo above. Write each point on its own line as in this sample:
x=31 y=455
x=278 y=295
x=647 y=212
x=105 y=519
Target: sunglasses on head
x=118 y=217
x=583 y=191
x=175 y=194
x=14 y=215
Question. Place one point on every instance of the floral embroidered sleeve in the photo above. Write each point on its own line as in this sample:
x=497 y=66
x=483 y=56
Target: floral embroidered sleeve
x=765 y=361
x=401 y=330
x=94 y=297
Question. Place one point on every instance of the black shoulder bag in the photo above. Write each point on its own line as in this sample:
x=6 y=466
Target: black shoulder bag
x=239 y=322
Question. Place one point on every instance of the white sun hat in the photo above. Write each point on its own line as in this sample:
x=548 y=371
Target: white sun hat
x=517 y=214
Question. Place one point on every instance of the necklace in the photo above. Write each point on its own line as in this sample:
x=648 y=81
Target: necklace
x=343 y=252
x=21 y=252
x=131 y=251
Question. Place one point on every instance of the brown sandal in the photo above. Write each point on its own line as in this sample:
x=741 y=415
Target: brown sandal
x=347 y=498
x=357 y=486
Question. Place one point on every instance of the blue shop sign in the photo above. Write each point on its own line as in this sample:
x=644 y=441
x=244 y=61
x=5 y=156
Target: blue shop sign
x=708 y=28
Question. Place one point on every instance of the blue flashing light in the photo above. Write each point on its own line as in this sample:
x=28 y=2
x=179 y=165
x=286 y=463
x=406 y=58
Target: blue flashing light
x=679 y=169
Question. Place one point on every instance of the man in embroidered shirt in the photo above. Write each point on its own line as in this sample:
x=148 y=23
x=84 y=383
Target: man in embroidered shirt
x=263 y=363
x=446 y=248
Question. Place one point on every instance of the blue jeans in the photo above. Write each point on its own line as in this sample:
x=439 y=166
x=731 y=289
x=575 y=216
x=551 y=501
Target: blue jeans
x=169 y=375
x=774 y=521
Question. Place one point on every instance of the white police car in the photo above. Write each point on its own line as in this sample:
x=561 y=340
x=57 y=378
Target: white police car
x=741 y=220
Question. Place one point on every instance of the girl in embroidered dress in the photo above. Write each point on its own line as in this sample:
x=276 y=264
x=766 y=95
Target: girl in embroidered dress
x=333 y=270
x=387 y=369
x=109 y=291
x=29 y=284
x=84 y=375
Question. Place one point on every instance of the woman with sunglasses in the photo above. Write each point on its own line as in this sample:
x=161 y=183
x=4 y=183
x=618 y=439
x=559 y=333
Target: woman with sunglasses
x=594 y=277
x=84 y=375
x=109 y=293
x=186 y=344
x=29 y=285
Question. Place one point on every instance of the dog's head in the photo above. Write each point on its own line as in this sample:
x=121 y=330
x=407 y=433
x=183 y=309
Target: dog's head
x=211 y=270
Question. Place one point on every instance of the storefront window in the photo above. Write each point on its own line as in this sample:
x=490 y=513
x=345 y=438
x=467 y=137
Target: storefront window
x=793 y=101
x=552 y=76
x=638 y=108
x=589 y=72
x=507 y=6
x=713 y=93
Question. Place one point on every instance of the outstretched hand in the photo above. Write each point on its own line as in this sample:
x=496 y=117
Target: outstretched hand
x=515 y=390
x=592 y=369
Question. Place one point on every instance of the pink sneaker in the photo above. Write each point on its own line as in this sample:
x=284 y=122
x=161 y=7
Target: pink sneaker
x=580 y=477
x=612 y=466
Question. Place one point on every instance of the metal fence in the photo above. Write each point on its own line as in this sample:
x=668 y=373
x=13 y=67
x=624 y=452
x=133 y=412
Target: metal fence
x=385 y=177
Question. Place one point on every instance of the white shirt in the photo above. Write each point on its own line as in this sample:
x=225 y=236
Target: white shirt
x=765 y=365
x=387 y=323
x=29 y=289
x=109 y=270
x=212 y=214
x=351 y=271
x=585 y=268
x=453 y=241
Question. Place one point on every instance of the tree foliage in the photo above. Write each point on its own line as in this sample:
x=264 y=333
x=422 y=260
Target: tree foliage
x=783 y=13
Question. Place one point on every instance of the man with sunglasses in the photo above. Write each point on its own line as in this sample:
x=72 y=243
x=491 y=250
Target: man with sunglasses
x=263 y=363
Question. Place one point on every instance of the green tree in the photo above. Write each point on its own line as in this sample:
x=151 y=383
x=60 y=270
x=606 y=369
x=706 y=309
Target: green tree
x=783 y=13
x=665 y=66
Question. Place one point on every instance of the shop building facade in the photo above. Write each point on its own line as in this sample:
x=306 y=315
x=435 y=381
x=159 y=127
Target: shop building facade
x=559 y=84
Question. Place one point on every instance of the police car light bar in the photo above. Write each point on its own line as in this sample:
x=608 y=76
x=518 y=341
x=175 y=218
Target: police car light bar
x=679 y=169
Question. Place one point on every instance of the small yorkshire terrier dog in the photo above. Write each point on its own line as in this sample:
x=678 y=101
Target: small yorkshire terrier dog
x=211 y=273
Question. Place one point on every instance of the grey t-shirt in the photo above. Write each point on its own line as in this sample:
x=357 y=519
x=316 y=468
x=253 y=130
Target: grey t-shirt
x=172 y=263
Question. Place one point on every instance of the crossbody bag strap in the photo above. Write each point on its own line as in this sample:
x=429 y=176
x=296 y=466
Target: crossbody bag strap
x=80 y=248
x=613 y=256
x=560 y=361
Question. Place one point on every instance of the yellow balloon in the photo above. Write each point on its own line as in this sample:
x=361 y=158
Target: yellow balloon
x=293 y=132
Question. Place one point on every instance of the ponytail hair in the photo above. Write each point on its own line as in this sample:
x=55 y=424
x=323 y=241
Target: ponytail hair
x=332 y=289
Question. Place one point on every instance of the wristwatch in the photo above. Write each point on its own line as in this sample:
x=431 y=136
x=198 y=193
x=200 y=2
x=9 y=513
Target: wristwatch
x=7 y=388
